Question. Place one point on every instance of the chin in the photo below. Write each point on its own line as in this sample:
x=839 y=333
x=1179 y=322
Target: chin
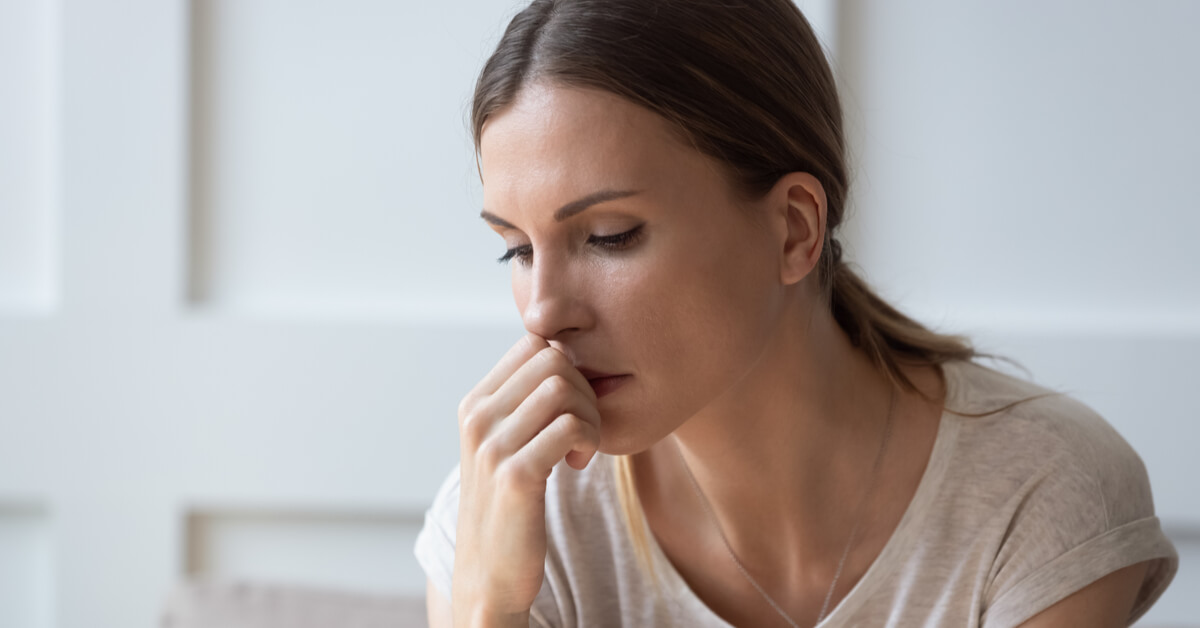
x=618 y=439
x=615 y=443
x=623 y=449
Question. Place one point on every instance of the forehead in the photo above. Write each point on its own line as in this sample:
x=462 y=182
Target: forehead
x=575 y=140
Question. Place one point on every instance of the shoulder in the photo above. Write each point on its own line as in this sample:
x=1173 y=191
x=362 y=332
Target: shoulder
x=1063 y=498
x=1049 y=442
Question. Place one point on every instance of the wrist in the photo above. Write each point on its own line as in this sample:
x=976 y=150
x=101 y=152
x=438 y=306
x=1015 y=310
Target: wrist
x=477 y=606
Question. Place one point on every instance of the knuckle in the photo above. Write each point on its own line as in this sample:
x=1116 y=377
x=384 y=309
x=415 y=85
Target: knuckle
x=511 y=475
x=464 y=406
x=566 y=427
x=569 y=430
x=489 y=455
x=577 y=427
x=556 y=385
x=474 y=427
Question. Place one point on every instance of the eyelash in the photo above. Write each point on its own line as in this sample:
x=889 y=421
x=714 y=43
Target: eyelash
x=616 y=242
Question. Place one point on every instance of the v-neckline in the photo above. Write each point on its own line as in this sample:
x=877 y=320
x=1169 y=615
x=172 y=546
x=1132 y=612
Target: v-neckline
x=688 y=604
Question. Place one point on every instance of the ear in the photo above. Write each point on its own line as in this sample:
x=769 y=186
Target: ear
x=798 y=207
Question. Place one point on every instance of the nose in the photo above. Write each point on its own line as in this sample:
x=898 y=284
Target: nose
x=554 y=303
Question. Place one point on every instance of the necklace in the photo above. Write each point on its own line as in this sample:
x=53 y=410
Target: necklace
x=887 y=432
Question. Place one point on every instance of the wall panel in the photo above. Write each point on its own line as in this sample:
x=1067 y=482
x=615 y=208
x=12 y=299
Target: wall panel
x=28 y=152
x=26 y=567
x=1007 y=162
x=332 y=172
x=333 y=549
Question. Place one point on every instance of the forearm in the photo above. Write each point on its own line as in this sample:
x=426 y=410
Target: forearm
x=474 y=617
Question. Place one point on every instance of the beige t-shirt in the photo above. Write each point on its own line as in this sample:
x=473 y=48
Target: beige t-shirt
x=1015 y=511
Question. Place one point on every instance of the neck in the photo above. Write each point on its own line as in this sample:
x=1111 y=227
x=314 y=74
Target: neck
x=785 y=455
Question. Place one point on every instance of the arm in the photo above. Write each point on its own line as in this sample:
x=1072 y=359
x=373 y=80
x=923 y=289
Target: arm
x=441 y=612
x=438 y=607
x=1105 y=603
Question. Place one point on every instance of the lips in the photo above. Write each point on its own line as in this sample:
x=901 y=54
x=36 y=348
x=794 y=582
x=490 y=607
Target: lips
x=590 y=374
x=604 y=383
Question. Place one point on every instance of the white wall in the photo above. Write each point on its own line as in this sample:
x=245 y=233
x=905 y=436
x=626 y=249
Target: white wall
x=243 y=283
x=29 y=93
x=1024 y=174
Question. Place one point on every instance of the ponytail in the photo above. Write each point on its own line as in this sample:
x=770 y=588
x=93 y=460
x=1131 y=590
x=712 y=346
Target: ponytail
x=887 y=336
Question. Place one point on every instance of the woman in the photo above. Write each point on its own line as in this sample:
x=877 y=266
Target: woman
x=751 y=436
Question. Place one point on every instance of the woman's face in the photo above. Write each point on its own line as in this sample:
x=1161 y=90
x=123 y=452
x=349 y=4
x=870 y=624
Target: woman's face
x=667 y=281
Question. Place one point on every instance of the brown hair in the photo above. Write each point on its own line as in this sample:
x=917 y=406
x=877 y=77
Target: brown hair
x=745 y=82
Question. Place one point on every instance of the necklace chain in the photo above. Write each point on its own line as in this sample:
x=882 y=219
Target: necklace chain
x=887 y=432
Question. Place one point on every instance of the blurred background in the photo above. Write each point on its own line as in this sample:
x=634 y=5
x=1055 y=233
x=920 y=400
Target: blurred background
x=243 y=281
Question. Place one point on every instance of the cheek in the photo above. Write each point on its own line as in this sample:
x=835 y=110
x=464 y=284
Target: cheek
x=712 y=318
x=690 y=327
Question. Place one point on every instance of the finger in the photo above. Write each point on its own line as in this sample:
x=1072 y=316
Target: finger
x=569 y=371
x=516 y=356
x=555 y=396
x=529 y=376
x=566 y=434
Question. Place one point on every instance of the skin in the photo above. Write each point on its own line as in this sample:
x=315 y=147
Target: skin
x=714 y=314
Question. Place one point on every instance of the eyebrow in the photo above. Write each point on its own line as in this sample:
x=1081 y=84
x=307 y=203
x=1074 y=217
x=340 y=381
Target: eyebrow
x=568 y=210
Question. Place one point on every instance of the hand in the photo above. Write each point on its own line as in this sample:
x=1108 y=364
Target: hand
x=531 y=411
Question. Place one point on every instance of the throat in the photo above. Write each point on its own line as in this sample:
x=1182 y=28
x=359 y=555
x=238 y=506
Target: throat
x=681 y=525
x=792 y=562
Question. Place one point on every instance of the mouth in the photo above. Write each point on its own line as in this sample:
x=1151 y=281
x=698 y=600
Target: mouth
x=604 y=383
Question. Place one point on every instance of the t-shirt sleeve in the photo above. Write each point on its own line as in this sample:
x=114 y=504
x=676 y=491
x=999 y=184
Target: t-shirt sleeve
x=1085 y=513
x=434 y=547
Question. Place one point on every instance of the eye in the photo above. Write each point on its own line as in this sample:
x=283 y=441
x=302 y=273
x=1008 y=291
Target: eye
x=523 y=253
x=617 y=242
